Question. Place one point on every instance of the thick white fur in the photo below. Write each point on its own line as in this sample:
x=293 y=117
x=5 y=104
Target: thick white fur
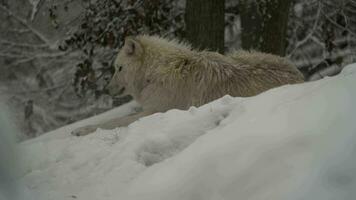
x=163 y=74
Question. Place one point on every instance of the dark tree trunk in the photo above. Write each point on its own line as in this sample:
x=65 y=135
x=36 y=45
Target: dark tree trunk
x=264 y=25
x=205 y=24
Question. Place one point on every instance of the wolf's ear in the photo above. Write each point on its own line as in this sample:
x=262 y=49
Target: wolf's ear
x=132 y=47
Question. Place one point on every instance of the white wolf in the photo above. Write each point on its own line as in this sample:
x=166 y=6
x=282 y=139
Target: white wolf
x=163 y=74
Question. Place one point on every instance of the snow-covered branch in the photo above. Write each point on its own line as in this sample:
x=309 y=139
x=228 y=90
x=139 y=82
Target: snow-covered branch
x=24 y=22
x=327 y=16
x=311 y=32
x=35 y=5
x=321 y=35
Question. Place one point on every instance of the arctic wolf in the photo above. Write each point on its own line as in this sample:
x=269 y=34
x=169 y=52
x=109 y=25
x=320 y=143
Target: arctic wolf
x=163 y=74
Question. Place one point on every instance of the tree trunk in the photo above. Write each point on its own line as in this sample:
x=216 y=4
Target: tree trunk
x=205 y=24
x=264 y=25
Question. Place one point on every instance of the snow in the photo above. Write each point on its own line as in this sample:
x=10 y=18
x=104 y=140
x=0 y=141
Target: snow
x=292 y=142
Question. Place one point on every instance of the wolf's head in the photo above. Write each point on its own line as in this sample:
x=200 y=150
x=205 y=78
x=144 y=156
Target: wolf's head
x=129 y=69
x=148 y=62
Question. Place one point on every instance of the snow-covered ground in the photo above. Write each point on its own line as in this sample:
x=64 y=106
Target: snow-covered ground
x=294 y=142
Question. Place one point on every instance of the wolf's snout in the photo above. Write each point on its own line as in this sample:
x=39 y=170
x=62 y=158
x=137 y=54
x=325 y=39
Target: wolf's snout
x=122 y=90
x=115 y=90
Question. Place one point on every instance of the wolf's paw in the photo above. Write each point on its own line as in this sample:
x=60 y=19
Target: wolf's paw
x=84 y=130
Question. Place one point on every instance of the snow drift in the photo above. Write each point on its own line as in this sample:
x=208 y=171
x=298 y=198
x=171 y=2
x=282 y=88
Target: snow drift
x=293 y=142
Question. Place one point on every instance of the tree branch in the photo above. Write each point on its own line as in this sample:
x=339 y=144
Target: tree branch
x=310 y=34
x=15 y=44
x=28 y=26
x=338 y=25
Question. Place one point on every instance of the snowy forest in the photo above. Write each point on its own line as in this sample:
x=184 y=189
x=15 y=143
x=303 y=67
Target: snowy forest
x=56 y=57
x=177 y=99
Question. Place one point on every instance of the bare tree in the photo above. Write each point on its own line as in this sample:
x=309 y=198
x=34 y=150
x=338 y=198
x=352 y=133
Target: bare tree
x=264 y=25
x=34 y=70
x=56 y=56
x=205 y=24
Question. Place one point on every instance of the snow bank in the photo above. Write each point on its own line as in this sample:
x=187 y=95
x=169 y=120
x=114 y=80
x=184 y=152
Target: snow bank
x=292 y=142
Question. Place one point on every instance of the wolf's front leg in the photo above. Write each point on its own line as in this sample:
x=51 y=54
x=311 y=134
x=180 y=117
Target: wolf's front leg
x=85 y=130
x=114 y=123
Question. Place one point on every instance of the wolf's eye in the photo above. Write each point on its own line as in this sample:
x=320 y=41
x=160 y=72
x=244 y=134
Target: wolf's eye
x=119 y=68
